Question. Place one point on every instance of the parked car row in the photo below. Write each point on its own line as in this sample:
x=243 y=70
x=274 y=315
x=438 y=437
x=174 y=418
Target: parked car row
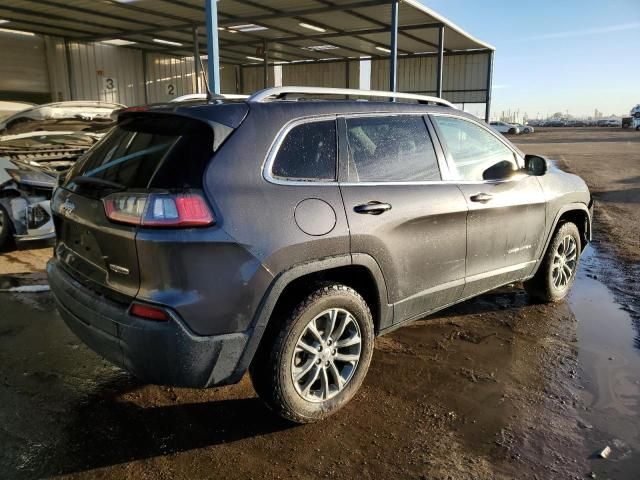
x=605 y=122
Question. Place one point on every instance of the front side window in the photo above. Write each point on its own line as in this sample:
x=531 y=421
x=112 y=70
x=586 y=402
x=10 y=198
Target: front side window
x=391 y=149
x=475 y=154
x=308 y=152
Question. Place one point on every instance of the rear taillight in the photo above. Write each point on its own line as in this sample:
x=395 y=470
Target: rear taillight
x=158 y=209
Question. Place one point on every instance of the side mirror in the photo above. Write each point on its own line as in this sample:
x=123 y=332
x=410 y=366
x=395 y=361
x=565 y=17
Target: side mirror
x=536 y=165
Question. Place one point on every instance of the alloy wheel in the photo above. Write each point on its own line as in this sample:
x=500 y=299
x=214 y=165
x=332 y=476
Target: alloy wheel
x=326 y=355
x=565 y=260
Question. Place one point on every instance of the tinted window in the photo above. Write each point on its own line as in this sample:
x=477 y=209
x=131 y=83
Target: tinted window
x=150 y=152
x=476 y=154
x=391 y=149
x=308 y=152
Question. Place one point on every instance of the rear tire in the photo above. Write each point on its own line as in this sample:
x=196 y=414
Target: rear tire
x=305 y=374
x=556 y=274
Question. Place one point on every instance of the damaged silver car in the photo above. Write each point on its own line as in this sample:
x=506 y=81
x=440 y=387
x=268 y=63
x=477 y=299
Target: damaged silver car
x=43 y=144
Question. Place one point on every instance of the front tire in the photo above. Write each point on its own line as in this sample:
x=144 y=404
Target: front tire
x=319 y=357
x=557 y=272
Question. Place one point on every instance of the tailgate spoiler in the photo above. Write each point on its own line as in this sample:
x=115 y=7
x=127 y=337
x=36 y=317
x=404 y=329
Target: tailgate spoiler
x=223 y=118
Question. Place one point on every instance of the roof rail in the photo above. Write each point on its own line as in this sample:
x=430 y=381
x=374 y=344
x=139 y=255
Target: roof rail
x=204 y=96
x=264 y=95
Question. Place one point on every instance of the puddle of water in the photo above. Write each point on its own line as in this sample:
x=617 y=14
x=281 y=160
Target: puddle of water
x=609 y=359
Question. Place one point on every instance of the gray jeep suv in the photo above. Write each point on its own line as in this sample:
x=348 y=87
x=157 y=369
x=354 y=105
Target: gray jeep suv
x=282 y=233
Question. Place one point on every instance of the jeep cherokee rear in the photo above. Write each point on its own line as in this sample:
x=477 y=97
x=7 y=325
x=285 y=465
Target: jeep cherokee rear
x=197 y=241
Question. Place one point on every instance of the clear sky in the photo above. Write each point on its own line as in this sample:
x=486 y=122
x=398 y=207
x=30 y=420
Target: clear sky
x=557 y=55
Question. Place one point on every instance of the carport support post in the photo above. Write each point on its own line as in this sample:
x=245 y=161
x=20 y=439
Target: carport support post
x=196 y=61
x=393 y=55
x=487 y=110
x=265 y=72
x=440 y=60
x=213 y=48
x=144 y=77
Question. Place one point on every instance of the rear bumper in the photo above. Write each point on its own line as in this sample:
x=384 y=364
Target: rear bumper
x=165 y=353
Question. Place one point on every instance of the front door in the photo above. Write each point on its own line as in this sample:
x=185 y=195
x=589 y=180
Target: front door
x=506 y=220
x=401 y=213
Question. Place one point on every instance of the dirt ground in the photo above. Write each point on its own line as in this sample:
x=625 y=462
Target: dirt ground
x=494 y=388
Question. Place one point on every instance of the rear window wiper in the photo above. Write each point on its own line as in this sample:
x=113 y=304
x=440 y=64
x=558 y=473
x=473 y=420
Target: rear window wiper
x=97 y=182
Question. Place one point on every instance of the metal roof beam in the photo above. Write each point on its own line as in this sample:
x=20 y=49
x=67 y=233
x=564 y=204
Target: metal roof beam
x=257 y=5
x=156 y=13
x=191 y=24
x=307 y=11
x=88 y=11
x=64 y=30
x=367 y=18
x=321 y=36
x=261 y=39
x=24 y=11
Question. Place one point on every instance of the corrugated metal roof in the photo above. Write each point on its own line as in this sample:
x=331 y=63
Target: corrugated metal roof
x=343 y=28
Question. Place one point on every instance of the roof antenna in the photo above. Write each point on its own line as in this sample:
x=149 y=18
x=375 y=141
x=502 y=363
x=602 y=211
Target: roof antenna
x=206 y=82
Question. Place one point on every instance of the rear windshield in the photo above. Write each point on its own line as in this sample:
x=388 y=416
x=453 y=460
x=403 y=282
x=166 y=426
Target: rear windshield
x=150 y=151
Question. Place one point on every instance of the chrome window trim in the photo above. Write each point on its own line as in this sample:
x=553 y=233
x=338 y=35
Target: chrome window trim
x=435 y=182
x=275 y=148
x=444 y=170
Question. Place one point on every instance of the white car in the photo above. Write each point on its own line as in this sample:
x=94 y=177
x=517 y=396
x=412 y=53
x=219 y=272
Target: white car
x=504 y=127
x=9 y=108
x=75 y=112
x=524 y=128
x=37 y=146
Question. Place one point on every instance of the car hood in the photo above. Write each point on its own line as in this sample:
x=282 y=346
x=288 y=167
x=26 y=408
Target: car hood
x=50 y=152
x=53 y=116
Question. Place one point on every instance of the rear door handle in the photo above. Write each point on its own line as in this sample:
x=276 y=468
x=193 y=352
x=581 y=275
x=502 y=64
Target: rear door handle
x=372 y=208
x=481 y=197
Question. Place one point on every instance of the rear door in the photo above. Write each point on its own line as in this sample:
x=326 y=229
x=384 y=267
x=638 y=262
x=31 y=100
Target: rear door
x=401 y=213
x=149 y=153
x=506 y=220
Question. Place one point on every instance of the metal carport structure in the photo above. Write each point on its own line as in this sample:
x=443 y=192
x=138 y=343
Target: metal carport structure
x=410 y=47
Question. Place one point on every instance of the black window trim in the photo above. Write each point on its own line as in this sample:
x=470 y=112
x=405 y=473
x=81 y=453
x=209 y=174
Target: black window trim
x=449 y=179
x=267 y=169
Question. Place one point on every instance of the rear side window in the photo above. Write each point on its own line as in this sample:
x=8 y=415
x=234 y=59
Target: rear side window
x=391 y=149
x=475 y=153
x=308 y=152
x=150 y=151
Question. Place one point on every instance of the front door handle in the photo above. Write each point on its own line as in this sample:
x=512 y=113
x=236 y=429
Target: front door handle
x=372 y=208
x=481 y=197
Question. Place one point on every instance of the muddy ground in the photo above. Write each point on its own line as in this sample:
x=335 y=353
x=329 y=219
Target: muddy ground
x=492 y=388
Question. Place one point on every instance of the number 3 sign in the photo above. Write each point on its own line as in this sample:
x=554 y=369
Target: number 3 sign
x=109 y=84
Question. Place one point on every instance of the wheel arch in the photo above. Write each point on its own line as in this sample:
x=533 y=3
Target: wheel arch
x=577 y=213
x=358 y=271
